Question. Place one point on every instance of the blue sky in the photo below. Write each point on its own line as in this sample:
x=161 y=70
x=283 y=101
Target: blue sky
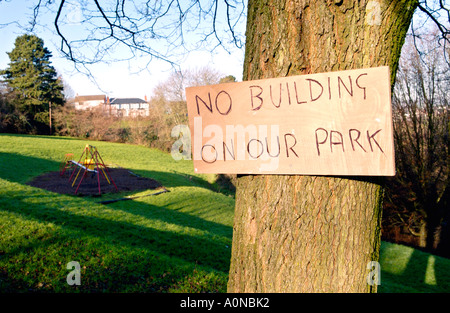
x=134 y=78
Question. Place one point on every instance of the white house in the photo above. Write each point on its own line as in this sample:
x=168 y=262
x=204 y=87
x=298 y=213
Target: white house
x=117 y=106
x=89 y=102
x=128 y=106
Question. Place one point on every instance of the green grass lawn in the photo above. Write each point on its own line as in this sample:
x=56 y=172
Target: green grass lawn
x=174 y=242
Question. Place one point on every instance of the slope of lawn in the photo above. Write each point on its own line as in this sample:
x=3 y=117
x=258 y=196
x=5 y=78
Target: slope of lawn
x=405 y=270
x=178 y=241
x=174 y=242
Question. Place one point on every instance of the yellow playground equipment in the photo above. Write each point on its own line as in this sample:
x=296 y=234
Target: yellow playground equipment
x=91 y=162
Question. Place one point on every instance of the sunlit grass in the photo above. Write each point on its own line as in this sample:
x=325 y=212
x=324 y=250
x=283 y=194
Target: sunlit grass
x=405 y=269
x=174 y=242
x=178 y=241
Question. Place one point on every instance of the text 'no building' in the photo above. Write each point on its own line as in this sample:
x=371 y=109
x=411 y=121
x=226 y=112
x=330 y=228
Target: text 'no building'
x=337 y=123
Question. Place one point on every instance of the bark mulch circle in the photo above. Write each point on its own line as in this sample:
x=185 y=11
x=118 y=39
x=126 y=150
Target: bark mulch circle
x=123 y=178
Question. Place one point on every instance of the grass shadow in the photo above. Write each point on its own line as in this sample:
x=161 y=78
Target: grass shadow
x=21 y=168
x=39 y=136
x=177 y=179
x=412 y=270
x=173 y=216
x=122 y=229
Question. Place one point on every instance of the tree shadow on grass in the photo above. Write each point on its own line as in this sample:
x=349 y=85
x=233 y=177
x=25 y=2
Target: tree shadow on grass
x=21 y=168
x=41 y=267
x=422 y=273
x=12 y=170
x=177 y=179
x=39 y=136
x=180 y=247
x=427 y=272
x=193 y=242
x=175 y=217
x=120 y=229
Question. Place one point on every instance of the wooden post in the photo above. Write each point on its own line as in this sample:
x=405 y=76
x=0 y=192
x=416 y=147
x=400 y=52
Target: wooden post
x=50 y=115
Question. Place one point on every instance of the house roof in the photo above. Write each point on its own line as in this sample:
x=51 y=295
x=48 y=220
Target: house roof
x=126 y=100
x=89 y=98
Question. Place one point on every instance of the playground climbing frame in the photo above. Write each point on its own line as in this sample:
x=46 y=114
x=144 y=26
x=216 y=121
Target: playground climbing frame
x=90 y=162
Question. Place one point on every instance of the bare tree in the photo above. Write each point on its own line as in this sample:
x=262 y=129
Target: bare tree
x=421 y=115
x=173 y=88
x=438 y=12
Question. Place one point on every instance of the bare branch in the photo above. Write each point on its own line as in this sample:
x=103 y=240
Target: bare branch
x=173 y=27
x=35 y=15
x=431 y=14
x=63 y=39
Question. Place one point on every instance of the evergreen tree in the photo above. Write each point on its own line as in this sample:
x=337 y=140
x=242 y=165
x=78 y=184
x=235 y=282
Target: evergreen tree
x=34 y=80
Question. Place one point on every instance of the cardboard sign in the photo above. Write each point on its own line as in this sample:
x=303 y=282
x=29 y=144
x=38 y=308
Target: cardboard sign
x=337 y=123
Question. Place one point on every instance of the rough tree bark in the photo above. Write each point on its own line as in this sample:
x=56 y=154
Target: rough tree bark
x=312 y=233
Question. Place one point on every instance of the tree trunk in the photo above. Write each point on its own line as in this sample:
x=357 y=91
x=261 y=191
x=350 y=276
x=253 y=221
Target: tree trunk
x=312 y=233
